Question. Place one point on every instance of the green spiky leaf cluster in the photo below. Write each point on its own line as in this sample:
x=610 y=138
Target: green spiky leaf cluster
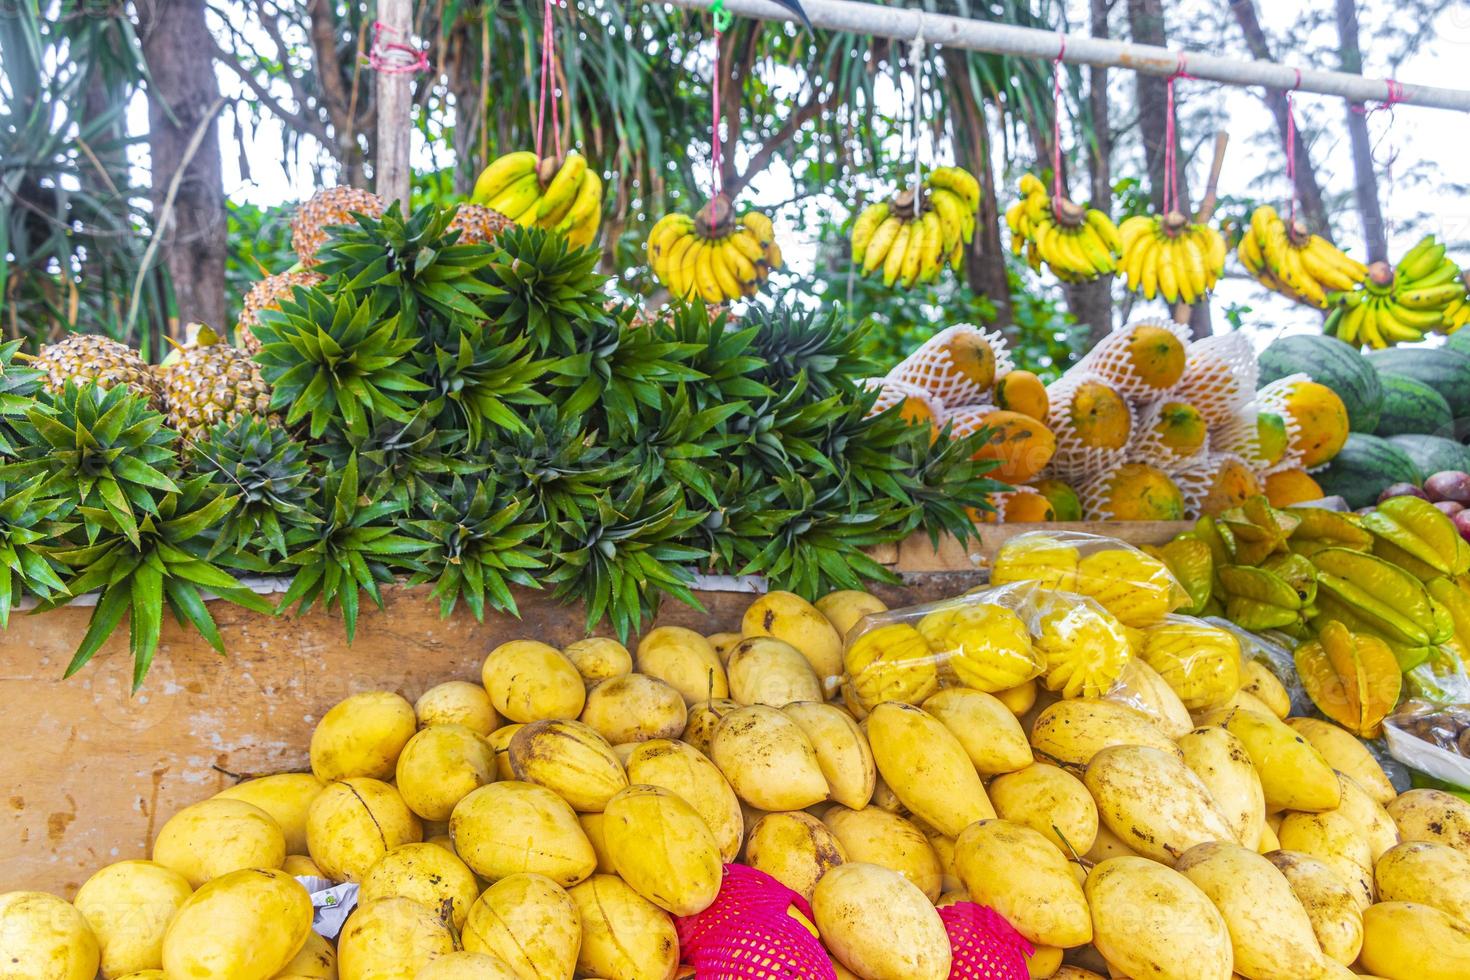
x=480 y=419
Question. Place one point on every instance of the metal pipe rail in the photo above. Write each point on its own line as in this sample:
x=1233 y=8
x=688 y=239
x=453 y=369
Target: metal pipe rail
x=854 y=17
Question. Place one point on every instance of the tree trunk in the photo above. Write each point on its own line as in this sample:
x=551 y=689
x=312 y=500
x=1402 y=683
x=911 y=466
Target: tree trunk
x=985 y=258
x=343 y=103
x=1365 y=179
x=1146 y=25
x=1308 y=191
x=183 y=98
x=1092 y=302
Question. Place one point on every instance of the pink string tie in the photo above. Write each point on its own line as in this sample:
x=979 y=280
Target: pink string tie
x=395 y=57
x=1171 y=173
x=1056 y=127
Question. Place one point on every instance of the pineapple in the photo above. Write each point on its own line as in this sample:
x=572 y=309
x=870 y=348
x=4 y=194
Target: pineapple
x=478 y=225
x=267 y=295
x=210 y=381
x=273 y=477
x=89 y=358
x=328 y=208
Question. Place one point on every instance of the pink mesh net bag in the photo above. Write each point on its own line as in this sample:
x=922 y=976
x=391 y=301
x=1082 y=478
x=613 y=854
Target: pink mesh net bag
x=749 y=933
x=983 y=945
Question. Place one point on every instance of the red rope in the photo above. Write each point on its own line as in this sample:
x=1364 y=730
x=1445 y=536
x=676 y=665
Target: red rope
x=1394 y=97
x=1171 y=173
x=1291 y=141
x=1056 y=127
x=395 y=57
x=716 y=150
x=548 y=68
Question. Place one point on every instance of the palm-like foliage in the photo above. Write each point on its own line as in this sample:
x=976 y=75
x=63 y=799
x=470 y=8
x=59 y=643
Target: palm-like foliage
x=337 y=362
x=162 y=563
x=272 y=476
x=18 y=388
x=622 y=558
x=105 y=450
x=477 y=376
x=28 y=525
x=476 y=545
x=354 y=548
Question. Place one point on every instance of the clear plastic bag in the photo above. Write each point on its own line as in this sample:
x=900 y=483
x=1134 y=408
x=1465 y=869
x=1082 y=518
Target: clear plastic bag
x=1274 y=650
x=1201 y=662
x=991 y=640
x=1432 y=738
x=1134 y=586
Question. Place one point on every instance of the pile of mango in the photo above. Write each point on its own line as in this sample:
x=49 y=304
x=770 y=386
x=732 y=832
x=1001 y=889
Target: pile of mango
x=566 y=814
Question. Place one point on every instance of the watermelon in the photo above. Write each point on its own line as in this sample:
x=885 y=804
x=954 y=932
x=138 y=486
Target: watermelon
x=1333 y=363
x=1446 y=371
x=1459 y=342
x=1411 y=406
x=1365 y=466
x=1433 y=454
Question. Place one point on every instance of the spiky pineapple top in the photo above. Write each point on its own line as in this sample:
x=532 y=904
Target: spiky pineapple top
x=86 y=358
x=267 y=295
x=328 y=208
x=209 y=381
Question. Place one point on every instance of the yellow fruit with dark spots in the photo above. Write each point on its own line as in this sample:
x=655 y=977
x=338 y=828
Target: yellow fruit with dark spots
x=1029 y=508
x=1100 y=416
x=1155 y=356
x=1021 y=445
x=971 y=357
x=1022 y=391
x=1232 y=485
x=1139 y=492
x=1271 y=436
x=1294 y=486
x=1180 y=428
x=1321 y=419
x=1064 y=501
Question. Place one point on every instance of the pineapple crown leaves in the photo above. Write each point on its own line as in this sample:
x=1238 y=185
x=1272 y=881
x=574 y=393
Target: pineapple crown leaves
x=105 y=451
x=18 y=388
x=418 y=259
x=679 y=441
x=27 y=523
x=558 y=467
x=949 y=482
x=813 y=541
x=337 y=361
x=476 y=545
x=871 y=452
x=545 y=288
x=719 y=352
x=785 y=432
x=164 y=565
x=475 y=377
x=818 y=345
x=402 y=461
x=355 y=547
x=629 y=554
x=619 y=370
x=272 y=476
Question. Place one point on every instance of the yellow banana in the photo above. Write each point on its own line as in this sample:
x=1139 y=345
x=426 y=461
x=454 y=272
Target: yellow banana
x=881 y=244
x=724 y=274
x=773 y=256
x=564 y=185
x=765 y=233
x=704 y=275
x=951 y=216
x=1161 y=270
x=1106 y=230
x=913 y=254
x=668 y=229
x=688 y=267
x=744 y=239
x=519 y=197
x=502 y=172
x=1194 y=266
x=863 y=228
x=744 y=270
x=962 y=182
x=893 y=261
x=588 y=202
x=934 y=247
x=1368 y=327
x=1351 y=324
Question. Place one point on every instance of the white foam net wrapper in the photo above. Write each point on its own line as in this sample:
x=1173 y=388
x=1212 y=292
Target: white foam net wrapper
x=966 y=420
x=1110 y=360
x=1147 y=444
x=1196 y=479
x=931 y=368
x=1219 y=376
x=1095 y=493
x=1073 y=460
x=892 y=392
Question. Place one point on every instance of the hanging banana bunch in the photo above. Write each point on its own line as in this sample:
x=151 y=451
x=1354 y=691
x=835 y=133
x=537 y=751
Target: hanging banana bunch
x=910 y=237
x=1170 y=256
x=560 y=193
x=1290 y=260
x=1400 y=304
x=713 y=255
x=1078 y=244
